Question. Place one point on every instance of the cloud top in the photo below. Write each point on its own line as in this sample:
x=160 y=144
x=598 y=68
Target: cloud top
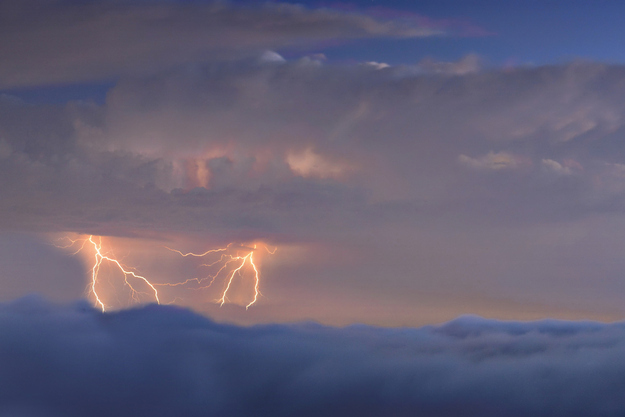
x=158 y=360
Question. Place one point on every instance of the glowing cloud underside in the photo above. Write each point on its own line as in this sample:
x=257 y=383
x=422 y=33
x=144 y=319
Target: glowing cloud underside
x=230 y=264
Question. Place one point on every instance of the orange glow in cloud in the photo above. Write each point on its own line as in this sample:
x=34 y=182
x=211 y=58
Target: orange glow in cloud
x=233 y=261
x=225 y=260
x=311 y=164
x=191 y=170
x=196 y=172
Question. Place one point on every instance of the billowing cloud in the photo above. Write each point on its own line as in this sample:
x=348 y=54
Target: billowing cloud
x=254 y=138
x=74 y=360
x=47 y=42
x=310 y=164
x=360 y=166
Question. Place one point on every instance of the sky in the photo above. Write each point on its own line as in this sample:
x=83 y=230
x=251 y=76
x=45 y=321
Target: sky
x=249 y=208
x=396 y=163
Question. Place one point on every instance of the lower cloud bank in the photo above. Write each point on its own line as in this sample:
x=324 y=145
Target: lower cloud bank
x=166 y=361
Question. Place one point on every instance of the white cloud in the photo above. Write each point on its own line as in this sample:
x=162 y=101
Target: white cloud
x=272 y=57
x=377 y=65
x=555 y=167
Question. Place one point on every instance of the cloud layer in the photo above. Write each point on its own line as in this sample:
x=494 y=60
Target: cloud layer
x=49 y=42
x=74 y=360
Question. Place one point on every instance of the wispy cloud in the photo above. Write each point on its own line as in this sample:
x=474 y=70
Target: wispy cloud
x=47 y=42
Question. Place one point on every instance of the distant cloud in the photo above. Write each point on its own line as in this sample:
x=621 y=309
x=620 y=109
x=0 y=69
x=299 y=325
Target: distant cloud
x=556 y=167
x=466 y=65
x=494 y=161
x=271 y=56
x=76 y=361
x=377 y=65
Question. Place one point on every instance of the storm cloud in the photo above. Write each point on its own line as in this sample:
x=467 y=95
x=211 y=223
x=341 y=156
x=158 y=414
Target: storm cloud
x=159 y=360
x=441 y=187
x=433 y=178
x=238 y=145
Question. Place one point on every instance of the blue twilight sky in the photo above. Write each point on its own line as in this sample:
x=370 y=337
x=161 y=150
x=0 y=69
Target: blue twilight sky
x=502 y=33
x=515 y=32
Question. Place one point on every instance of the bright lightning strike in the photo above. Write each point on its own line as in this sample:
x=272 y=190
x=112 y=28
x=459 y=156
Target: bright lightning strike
x=247 y=259
x=232 y=262
x=199 y=255
x=99 y=258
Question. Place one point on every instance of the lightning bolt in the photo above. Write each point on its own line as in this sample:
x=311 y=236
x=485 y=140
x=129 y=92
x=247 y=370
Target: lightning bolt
x=227 y=259
x=231 y=265
x=249 y=258
x=199 y=255
x=99 y=258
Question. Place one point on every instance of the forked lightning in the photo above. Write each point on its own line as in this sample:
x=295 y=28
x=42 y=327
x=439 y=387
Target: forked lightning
x=231 y=265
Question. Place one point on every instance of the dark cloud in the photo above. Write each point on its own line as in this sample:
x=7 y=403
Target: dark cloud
x=162 y=361
x=48 y=42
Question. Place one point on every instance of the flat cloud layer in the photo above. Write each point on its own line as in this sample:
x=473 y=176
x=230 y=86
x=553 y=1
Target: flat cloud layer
x=59 y=41
x=163 y=361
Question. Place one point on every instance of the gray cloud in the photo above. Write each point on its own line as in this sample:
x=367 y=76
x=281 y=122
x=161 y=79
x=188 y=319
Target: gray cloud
x=156 y=360
x=48 y=42
x=494 y=184
x=295 y=140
